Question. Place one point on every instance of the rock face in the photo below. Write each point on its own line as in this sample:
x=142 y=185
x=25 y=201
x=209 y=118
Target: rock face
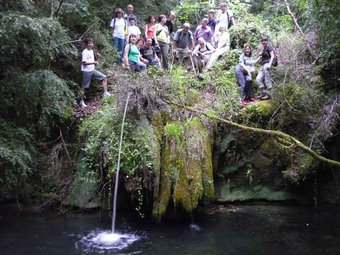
x=186 y=174
x=183 y=162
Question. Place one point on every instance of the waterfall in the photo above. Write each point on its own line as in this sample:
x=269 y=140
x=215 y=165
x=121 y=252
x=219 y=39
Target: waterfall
x=118 y=167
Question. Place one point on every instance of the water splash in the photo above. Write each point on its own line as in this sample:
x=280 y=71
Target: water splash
x=195 y=227
x=101 y=241
x=114 y=202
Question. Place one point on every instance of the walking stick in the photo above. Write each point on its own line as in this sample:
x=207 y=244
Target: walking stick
x=172 y=62
x=192 y=63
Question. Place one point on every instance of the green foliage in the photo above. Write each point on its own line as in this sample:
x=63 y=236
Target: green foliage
x=101 y=134
x=191 y=12
x=17 y=153
x=325 y=18
x=45 y=100
x=174 y=130
x=25 y=41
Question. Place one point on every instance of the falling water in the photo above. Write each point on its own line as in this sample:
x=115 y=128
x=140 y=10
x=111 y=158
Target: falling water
x=118 y=166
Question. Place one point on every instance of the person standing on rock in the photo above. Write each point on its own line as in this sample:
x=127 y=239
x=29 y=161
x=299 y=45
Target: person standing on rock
x=264 y=77
x=88 y=64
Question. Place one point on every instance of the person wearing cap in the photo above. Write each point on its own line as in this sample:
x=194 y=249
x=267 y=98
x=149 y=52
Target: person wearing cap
x=203 y=31
x=183 y=44
x=211 y=20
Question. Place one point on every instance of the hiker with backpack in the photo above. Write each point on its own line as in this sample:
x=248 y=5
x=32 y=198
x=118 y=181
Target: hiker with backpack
x=163 y=39
x=202 y=53
x=132 y=57
x=243 y=75
x=119 y=32
x=225 y=17
x=264 y=77
x=183 y=45
x=89 y=71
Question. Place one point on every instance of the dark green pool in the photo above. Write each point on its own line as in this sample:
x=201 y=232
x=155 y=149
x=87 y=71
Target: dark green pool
x=255 y=229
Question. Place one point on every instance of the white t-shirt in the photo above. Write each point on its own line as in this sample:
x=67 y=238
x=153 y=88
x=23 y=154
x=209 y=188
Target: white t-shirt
x=88 y=56
x=223 y=18
x=119 y=27
x=134 y=30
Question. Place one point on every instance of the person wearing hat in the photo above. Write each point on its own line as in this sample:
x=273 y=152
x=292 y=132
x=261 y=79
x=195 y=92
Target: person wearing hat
x=183 y=44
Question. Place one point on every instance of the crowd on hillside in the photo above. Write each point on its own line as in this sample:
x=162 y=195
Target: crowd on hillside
x=197 y=51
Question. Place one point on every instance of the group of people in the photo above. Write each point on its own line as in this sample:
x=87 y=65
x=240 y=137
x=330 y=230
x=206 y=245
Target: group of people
x=197 y=51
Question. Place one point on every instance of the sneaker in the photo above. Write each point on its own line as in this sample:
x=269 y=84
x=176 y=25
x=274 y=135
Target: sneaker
x=251 y=99
x=82 y=104
x=106 y=94
x=265 y=97
x=244 y=102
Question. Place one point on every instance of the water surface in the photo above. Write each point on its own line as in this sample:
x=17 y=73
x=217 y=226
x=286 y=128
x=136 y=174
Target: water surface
x=255 y=229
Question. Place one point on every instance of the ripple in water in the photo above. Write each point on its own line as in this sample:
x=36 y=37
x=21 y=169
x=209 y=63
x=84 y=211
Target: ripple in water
x=99 y=240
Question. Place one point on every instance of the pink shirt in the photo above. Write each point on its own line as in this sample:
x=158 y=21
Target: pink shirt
x=150 y=32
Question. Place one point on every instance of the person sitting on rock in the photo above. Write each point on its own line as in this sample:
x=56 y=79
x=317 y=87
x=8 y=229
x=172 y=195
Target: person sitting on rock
x=202 y=53
x=222 y=44
x=149 y=53
x=132 y=57
x=183 y=45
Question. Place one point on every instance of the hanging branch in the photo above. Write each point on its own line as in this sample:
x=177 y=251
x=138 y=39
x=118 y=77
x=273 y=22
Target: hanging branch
x=300 y=29
x=279 y=135
x=82 y=36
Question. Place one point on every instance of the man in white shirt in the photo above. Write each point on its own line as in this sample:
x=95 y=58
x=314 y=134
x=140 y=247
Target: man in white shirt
x=88 y=64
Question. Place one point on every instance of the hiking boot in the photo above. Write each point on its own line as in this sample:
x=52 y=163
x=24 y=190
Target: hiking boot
x=265 y=97
x=106 y=94
x=82 y=104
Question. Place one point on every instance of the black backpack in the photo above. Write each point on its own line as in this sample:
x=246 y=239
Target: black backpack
x=275 y=60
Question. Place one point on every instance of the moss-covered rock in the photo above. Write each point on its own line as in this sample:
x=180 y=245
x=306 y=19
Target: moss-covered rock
x=186 y=173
